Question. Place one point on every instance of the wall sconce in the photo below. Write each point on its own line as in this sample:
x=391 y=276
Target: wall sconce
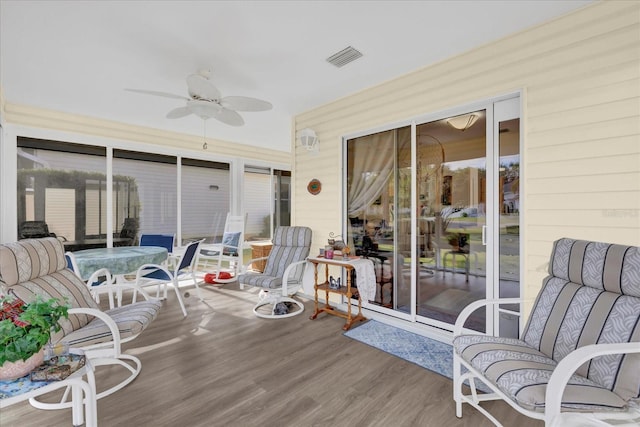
x=309 y=140
x=463 y=122
x=214 y=187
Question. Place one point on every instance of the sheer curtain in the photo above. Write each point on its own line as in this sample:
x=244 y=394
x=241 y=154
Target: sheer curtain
x=372 y=158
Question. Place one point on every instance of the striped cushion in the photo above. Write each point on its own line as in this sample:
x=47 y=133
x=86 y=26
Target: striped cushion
x=28 y=259
x=614 y=268
x=22 y=260
x=63 y=285
x=522 y=372
x=591 y=296
x=260 y=281
x=131 y=320
x=290 y=244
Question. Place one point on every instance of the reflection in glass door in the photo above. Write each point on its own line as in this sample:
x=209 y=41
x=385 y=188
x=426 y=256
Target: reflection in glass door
x=451 y=185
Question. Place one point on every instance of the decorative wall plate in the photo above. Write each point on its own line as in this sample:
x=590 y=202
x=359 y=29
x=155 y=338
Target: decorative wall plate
x=314 y=187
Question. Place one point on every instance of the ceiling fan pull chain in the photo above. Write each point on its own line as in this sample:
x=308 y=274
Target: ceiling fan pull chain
x=204 y=138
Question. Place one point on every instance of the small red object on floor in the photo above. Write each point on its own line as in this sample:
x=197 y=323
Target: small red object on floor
x=211 y=277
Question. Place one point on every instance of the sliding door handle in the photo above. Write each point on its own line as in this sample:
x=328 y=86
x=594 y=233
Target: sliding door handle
x=484 y=235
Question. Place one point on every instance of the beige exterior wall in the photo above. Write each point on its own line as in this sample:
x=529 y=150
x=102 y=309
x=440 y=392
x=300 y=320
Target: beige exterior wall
x=580 y=80
x=47 y=119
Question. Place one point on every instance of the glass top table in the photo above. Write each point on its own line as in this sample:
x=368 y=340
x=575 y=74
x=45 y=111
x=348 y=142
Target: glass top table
x=119 y=261
x=83 y=392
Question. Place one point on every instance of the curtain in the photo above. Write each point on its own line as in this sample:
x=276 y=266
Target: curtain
x=372 y=167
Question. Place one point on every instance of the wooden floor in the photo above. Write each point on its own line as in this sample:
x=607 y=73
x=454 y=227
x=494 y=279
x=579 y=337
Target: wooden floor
x=222 y=366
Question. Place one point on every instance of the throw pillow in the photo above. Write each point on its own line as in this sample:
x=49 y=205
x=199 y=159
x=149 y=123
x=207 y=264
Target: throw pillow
x=230 y=243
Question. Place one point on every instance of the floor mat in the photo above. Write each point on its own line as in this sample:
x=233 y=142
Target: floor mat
x=428 y=353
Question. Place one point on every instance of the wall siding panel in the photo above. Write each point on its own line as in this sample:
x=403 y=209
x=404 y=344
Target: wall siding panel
x=580 y=79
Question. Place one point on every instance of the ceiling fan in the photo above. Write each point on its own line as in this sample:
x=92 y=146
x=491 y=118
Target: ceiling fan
x=205 y=101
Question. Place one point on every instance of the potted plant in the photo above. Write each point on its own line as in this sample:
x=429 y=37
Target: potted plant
x=24 y=331
x=454 y=240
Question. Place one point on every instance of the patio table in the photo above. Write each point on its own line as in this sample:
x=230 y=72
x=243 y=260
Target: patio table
x=119 y=261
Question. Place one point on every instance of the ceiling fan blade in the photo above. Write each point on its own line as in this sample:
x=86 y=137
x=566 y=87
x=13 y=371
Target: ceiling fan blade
x=201 y=87
x=229 y=117
x=178 y=113
x=244 y=103
x=156 y=93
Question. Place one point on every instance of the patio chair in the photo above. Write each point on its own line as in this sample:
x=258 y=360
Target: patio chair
x=162 y=240
x=229 y=250
x=35 y=230
x=580 y=350
x=160 y=275
x=37 y=267
x=282 y=275
x=129 y=230
x=99 y=280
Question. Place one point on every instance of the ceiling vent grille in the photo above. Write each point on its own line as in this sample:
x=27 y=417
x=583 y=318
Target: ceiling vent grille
x=345 y=56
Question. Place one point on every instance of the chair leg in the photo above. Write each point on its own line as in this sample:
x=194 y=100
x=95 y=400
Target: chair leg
x=177 y=289
x=195 y=282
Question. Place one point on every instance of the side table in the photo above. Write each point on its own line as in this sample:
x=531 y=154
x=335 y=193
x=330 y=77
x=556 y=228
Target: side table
x=12 y=392
x=260 y=250
x=345 y=290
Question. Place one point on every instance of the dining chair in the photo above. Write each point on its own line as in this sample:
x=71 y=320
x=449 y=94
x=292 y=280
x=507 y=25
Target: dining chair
x=159 y=275
x=162 y=240
x=99 y=280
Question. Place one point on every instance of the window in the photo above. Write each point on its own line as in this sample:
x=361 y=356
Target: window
x=61 y=185
x=205 y=199
x=258 y=199
x=147 y=198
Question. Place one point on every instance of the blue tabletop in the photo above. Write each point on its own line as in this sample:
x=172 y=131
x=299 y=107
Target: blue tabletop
x=121 y=260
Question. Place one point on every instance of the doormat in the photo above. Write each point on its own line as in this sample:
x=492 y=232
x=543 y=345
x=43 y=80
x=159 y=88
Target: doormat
x=428 y=353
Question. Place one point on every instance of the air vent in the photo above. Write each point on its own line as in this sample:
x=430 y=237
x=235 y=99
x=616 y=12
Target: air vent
x=345 y=56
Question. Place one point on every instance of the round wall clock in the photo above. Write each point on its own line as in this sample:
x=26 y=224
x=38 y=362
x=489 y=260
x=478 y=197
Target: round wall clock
x=314 y=187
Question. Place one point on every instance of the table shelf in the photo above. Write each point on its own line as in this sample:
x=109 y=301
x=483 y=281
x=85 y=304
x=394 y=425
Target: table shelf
x=344 y=290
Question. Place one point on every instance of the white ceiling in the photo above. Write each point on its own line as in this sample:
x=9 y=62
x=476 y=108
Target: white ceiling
x=79 y=56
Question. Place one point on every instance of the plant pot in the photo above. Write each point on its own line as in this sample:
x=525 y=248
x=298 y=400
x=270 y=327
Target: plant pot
x=18 y=369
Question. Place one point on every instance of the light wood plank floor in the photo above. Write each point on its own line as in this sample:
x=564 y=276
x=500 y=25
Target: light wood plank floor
x=222 y=366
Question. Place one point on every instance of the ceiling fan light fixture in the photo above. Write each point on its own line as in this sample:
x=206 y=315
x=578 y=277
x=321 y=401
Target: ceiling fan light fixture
x=463 y=122
x=203 y=109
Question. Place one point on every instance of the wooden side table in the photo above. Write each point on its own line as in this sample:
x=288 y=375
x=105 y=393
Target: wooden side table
x=260 y=250
x=344 y=290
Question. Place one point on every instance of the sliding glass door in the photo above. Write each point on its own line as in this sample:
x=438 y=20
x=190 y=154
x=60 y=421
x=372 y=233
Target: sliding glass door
x=435 y=206
x=451 y=178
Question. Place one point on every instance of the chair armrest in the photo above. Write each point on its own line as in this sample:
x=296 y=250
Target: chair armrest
x=142 y=268
x=97 y=274
x=568 y=365
x=111 y=324
x=469 y=309
x=287 y=271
